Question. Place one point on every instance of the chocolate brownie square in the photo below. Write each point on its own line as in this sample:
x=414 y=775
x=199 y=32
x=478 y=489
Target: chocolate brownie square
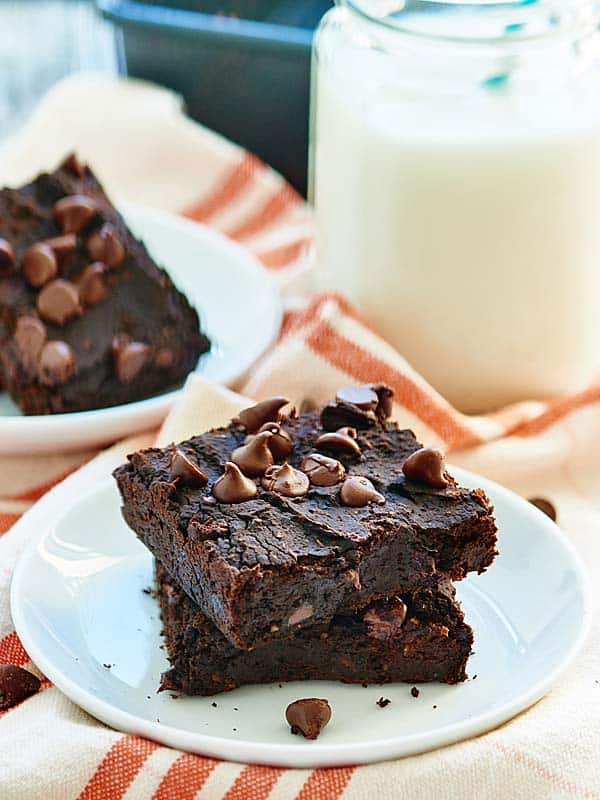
x=414 y=638
x=87 y=319
x=265 y=548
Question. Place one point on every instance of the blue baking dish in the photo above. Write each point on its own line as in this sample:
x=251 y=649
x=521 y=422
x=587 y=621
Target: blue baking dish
x=246 y=78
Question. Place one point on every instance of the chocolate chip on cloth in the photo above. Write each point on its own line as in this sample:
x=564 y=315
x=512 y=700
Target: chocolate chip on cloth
x=322 y=470
x=128 y=357
x=58 y=301
x=266 y=411
x=385 y=621
x=30 y=336
x=426 y=466
x=286 y=480
x=16 y=684
x=254 y=457
x=7 y=258
x=233 y=486
x=183 y=469
x=308 y=716
x=56 y=364
x=39 y=264
x=104 y=245
x=74 y=212
x=342 y=441
x=357 y=491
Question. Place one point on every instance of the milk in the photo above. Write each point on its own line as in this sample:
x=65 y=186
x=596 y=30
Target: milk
x=466 y=230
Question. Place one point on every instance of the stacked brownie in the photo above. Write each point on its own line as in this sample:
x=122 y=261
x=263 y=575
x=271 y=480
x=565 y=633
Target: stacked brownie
x=87 y=319
x=305 y=547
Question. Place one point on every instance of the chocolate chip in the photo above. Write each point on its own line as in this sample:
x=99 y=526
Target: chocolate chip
x=426 y=466
x=74 y=212
x=182 y=468
x=254 y=457
x=322 y=470
x=362 y=397
x=91 y=285
x=342 y=441
x=73 y=165
x=39 y=264
x=128 y=357
x=339 y=414
x=164 y=358
x=104 y=245
x=545 y=506
x=385 y=396
x=56 y=364
x=383 y=702
x=357 y=491
x=61 y=246
x=301 y=614
x=59 y=301
x=7 y=258
x=385 y=624
x=415 y=692
x=30 y=336
x=233 y=486
x=280 y=443
x=308 y=716
x=266 y=411
x=16 y=684
x=286 y=481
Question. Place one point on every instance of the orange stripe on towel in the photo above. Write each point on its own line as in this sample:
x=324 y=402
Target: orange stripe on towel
x=265 y=214
x=226 y=191
x=184 y=778
x=253 y=782
x=118 y=769
x=329 y=783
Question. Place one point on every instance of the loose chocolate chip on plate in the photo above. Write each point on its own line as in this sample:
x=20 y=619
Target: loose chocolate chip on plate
x=91 y=283
x=58 y=301
x=104 y=245
x=30 y=336
x=286 y=480
x=16 y=684
x=233 y=486
x=254 y=457
x=56 y=364
x=322 y=470
x=357 y=491
x=280 y=443
x=342 y=441
x=73 y=165
x=308 y=716
x=266 y=411
x=545 y=506
x=184 y=469
x=74 y=212
x=128 y=357
x=7 y=258
x=385 y=624
x=426 y=466
x=362 y=397
x=39 y=264
x=61 y=246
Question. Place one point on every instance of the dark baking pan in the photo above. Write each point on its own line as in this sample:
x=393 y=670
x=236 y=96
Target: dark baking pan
x=246 y=78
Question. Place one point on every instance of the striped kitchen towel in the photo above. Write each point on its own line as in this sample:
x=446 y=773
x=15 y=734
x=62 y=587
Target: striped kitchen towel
x=144 y=149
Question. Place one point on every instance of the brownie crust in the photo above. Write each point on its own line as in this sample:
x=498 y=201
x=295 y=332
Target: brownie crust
x=433 y=643
x=136 y=301
x=263 y=569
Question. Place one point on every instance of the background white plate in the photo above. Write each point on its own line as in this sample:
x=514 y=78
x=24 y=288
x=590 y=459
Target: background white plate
x=239 y=308
x=77 y=603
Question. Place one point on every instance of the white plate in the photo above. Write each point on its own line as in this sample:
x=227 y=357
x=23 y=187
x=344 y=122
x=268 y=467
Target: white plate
x=240 y=310
x=77 y=603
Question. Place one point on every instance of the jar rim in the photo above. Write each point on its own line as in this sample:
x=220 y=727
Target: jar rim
x=524 y=21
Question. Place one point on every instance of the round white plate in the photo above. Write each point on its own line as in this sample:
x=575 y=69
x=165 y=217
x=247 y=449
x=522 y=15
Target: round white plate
x=239 y=308
x=77 y=604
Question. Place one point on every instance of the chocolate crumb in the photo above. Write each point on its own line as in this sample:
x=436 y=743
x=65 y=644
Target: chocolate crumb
x=415 y=692
x=214 y=705
x=434 y=706
x=147 y=590
x=474 y=677
x=107 y=666
x=383 y=702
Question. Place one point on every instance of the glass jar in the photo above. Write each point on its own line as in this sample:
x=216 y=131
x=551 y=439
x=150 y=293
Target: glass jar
x=455 y=170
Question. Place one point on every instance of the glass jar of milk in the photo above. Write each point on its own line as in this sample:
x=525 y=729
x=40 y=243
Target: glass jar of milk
x=455 y=169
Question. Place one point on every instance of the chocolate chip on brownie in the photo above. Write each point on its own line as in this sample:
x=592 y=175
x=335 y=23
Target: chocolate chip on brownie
x=426 y=466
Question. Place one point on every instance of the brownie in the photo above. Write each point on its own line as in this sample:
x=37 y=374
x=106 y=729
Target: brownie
x=416 y=638
x=262 y=568
x=87 y=319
